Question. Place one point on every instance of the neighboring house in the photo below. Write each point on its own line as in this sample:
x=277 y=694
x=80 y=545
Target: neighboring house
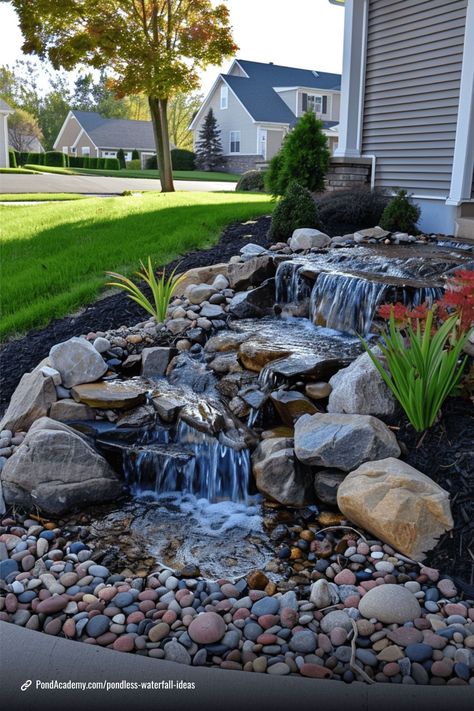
x=5 y=110
x=256 y=104
x=87 y=133
x=407 y=106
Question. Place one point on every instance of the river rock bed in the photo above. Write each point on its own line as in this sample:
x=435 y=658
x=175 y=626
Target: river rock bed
x=369 y=613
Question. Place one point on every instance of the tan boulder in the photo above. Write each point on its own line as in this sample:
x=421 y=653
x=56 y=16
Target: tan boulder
x=114 y=394
x=31 y=400
x=201 y=275
x=398 y=504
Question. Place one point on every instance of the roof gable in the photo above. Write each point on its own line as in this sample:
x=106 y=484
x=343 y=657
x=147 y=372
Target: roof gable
x=116 y=133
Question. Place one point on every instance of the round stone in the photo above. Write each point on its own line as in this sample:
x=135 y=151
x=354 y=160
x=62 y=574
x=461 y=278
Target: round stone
x=419 y=652
x=303 y=642
x=97 y=626
x=158 y=632
x=336 y=618
x=266 y=606
x=279 y=669
x=98 y=571
x=390 y=603
x=345 y=577
x=52 y=605
x=123 y=599
x=207 y=628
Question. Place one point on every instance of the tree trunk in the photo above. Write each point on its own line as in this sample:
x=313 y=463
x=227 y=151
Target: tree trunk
x=160 y=131
x=167 y=166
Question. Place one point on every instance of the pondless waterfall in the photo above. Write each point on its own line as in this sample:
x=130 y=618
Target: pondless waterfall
x=190 y=462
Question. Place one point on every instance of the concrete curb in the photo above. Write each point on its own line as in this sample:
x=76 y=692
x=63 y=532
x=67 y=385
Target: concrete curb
x=25 y=654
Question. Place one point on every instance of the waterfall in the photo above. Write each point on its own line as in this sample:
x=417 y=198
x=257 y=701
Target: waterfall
x=290 y=286
x=191 y=463
x=345 y=303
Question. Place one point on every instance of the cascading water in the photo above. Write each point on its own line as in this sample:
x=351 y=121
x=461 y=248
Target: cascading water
x=290 y=286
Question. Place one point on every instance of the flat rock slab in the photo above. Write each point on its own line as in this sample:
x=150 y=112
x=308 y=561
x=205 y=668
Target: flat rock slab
x=293 y=347
x=113 y=394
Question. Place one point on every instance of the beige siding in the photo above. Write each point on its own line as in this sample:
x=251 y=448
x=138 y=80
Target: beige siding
x=234 y=118
x=274 y=141
x=86 y=141
x=336 y=107
x=70 y=134
x=413 y=72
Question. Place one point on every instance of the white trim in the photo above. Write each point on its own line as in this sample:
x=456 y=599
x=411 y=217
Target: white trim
x=81 y=132
x=192 y=125
x=463 y=159
x=57 y=142
x=236 y=62
x=353 y=74
x=224 y=97
x=260 y=131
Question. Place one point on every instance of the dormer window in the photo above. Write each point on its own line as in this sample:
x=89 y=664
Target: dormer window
x=316 y=103
x=224 y=96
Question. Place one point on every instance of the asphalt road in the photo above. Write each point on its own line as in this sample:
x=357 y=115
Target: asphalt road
x=92 y=185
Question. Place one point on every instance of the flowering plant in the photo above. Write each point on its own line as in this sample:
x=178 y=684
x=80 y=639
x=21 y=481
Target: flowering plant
x=422 y=349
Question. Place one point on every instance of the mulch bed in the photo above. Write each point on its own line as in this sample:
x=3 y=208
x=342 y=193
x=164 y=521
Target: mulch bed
x=445 y=453
x=22 y=355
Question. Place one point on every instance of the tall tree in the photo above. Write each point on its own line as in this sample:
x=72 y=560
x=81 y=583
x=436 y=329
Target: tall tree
x=152 y=47
x=181 y=110
x=22 y=129
x=54 y=109
x=209 y=153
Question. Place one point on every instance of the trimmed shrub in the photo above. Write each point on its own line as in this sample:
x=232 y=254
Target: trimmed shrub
x=401 y=214
x=345 y=211
x=86 y=162
x=76 y=161
x=135 y=154
x=296 y=209
x=134 y=164
x=35 y=158
x=12 y=158
x=182 y=159
x=93 y=163
x=101 y=163
x=21 y=157
x=55 y=159
x=121 y=158
x=151 y=163
x=253 y=181
x=303 y=157
x=112 y=164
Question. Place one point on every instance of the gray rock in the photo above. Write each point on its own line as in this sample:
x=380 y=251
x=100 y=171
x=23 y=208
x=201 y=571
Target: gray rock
x=252 y=272
x=307 y=238
x=322 y=595
x=389 y=604
x=175 y=652
x=277 y=476
x=211 y=310
x=251 y=250
x=155 y=361
x=178 y=325
x=342 y=441
x=102 y=344
x=31 y=400
x=359 y=389
x=97 y=626
x=220 y=282
x=56 y=469
x=197 y=293
x=78 y=362
x=326 y=484
x=254 y=303
x=303 y=642
x=336 y=618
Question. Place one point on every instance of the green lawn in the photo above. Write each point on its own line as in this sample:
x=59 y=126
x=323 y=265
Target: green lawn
x=39 y=197
x=53 y=257
x=18 y=171
x=177 y=174
x=48 y=169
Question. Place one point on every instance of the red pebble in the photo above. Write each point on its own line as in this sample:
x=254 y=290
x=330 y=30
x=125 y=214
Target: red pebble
x=124 y=644
x=315 y=671
x=267 y=621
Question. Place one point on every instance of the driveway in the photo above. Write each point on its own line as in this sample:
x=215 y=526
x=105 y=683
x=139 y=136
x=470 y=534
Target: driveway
x=96 y=185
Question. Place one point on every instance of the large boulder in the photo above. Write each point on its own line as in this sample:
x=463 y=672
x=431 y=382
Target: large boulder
x=398 y=504
x=252 y=272
x=56 y=469
x=342 y=441
x=307 y=238
x=77 y=361
x=278 y=476
x=201 y=275
x=31 y=400
x=155 y=361
x=360 y=389
x=255 y=303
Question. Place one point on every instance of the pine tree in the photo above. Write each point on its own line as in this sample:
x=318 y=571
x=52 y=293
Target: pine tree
x=209 y=153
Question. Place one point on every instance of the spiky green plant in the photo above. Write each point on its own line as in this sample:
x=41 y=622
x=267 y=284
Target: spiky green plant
x=162 y=289
x=423 y=367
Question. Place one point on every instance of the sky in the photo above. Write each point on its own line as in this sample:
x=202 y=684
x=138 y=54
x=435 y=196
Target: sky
x=303 y=33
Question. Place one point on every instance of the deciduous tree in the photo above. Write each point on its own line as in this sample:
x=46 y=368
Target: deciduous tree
x=22 y=130
x=152 y=47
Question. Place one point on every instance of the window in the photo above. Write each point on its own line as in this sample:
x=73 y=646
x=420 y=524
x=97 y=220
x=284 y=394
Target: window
x=85 y=150
x=224 y=96
x=235 y=142
x=66 y=149
x=109 y=154
x=315 y=103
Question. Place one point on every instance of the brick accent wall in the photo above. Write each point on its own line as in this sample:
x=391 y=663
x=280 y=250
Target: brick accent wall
x=347 y=173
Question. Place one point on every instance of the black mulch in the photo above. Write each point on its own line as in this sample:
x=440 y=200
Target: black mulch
x=22 y=355
x=445 y=453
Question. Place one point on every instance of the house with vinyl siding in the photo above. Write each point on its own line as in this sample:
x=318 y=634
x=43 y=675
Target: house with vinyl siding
x=407 y=104
x=87 y=133
x=256 y=104
x=5 y=111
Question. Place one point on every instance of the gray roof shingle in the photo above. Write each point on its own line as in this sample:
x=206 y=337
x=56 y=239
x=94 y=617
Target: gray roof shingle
x=258 y=95
x=117 y=133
